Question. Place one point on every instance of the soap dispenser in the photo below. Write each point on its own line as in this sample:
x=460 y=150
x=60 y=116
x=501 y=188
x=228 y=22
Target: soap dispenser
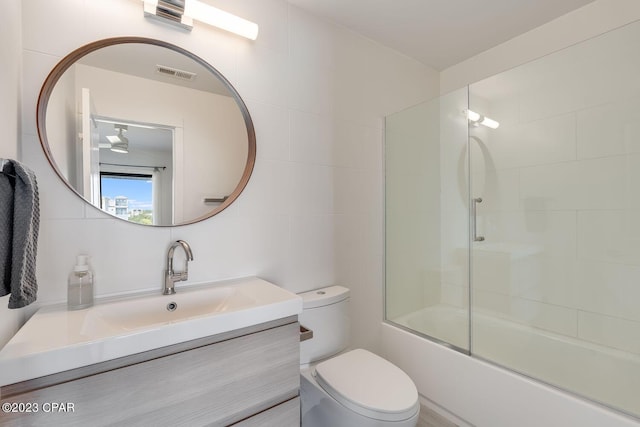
x=80 y=290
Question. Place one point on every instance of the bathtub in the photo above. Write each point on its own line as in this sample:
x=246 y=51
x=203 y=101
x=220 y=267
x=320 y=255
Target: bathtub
x=483 y=394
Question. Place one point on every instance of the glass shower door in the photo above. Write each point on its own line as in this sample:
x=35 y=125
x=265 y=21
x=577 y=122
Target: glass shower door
x=427 y=245
x=555 y=282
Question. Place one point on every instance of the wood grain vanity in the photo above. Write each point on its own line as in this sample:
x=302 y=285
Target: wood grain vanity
x=246 y=377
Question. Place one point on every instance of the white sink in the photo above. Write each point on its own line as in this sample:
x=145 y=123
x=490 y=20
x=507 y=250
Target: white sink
x=56 y=340
x=156 y=310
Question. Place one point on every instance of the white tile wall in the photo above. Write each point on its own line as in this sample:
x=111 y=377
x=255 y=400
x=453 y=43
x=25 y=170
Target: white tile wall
x=616 y=123
x=531 y=143
x=610 y=331
x=548 y=317
x=609 y=235
x=311 y=214
x=610 y=289
x=603 y=128
x=560 y=177
x=311 y=138
x=272 y=130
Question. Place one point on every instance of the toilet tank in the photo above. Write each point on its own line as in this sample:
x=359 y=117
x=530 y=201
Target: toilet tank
x=326 y=312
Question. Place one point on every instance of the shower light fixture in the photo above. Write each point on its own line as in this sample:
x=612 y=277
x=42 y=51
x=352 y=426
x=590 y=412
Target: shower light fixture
x=476 y=118
x=183 y=12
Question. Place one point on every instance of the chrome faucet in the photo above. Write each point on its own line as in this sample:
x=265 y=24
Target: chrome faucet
x=170 y=276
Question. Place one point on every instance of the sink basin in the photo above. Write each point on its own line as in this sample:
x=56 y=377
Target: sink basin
x=56 y=340
x=162 y=309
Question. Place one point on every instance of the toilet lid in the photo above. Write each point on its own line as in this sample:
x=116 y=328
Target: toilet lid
x=369 y=385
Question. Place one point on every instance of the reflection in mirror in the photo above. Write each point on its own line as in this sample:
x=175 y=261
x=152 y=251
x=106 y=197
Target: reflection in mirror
x=146 y=131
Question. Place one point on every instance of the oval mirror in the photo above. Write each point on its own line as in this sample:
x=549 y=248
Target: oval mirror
x=146 y=131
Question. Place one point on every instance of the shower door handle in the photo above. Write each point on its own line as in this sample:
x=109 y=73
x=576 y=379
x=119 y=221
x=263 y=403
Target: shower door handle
x=474 y=209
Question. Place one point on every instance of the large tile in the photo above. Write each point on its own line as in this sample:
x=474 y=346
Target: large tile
x=358 y=243
x=372 y=81
x=609 y=331
x=311 y=262
x=602 y=183
x=493 y=272
x=35 y=69
x=609 y=130
x=262 y=76
x=312 y=189
x=549 y=187
x=592 y=73
x=309 y=88
x=266 y=240
x=311 y=40
x=271 y=124
x=218 y=247
x=391 y=82
x=269 y=190
x=610 y=289
x=609 y=236
x=356 y=191
x=530 y=232
x=548 y=279
x=633 y=182
x=532 y=313
x=56 y=28
x=357 y=146
x=311 y=138
x=545 y=87
x=540 y=142
x=456 y=296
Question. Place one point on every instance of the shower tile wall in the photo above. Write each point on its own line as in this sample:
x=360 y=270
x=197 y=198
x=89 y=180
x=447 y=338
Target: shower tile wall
x=560 y=180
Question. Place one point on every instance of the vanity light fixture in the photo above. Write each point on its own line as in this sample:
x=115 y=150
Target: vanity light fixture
x=182 y=13
x=476 y=119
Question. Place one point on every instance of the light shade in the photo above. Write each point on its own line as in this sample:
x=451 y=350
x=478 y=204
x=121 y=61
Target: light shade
x=199 y=11
x=473 y=116
x=119 y=143
x=490 y=123
x=477 y=118
x=175 y=14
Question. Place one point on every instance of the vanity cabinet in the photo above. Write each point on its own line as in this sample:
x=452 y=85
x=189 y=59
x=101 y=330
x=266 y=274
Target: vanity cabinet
x=248 y=377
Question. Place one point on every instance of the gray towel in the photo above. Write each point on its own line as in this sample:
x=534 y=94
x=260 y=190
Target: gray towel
x=19 y=225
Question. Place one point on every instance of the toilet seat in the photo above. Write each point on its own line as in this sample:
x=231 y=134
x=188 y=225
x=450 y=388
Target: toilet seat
x=369 y=385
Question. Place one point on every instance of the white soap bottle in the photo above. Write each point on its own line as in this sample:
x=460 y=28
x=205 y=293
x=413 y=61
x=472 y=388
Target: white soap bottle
x=80 y=289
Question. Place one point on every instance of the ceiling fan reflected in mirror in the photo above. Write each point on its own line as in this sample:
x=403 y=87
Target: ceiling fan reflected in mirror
x=119 y=143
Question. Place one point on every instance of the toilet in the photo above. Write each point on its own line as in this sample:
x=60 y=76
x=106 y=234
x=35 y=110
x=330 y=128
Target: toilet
x=353 y=388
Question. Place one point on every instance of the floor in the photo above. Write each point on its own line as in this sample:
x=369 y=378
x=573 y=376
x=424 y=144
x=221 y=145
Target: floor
x=430 y=418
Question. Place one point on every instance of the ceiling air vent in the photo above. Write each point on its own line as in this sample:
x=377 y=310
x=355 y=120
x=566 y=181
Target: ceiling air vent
x=174 y=72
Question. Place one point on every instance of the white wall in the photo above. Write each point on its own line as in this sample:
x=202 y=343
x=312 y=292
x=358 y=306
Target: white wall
x=311 y=214
x=10 y=45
